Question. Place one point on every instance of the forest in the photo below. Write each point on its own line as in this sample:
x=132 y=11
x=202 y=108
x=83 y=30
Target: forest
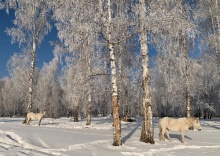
x=128 y=58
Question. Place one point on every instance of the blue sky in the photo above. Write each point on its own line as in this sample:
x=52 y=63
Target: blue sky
x=44 y=52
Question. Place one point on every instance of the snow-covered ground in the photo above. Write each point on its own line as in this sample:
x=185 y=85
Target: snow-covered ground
x=64 y=137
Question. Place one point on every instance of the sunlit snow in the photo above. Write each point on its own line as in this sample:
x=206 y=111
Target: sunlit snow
x=64 y=137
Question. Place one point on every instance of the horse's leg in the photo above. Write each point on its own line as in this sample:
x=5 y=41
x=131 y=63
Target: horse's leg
x=162 y=134
x=182 y=136
x=28 y=120
x=167 y=133
x=39 y=122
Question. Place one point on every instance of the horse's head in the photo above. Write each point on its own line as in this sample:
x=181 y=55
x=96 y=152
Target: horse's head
x=196 y=124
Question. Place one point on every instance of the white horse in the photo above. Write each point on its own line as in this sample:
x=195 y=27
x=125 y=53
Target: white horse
x=182 y=125
x=35 y=116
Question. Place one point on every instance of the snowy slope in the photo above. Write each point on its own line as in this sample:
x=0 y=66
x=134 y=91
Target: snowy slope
x=64 y=137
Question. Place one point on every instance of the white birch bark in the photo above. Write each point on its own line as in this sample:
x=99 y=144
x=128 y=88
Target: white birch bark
x=89 y=110
x=186 y=72
x=32 y=25
x=186 y=75
x=33 y=53
x=115 y=104
x=218 y=34
x=89 y=96
x=31 y=78
x=120 y=92
x=147 y=125
x=212 y=20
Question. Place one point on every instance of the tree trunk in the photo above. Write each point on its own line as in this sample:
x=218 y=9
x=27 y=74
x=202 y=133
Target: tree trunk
x=104 y=107
x=76 y=116
x=89 y=74
x=216 y=32
x=31 y=78
x=186 y=75
x=115 y=105
x=188 y=103
x=117 y=122
x=89 y=110
x=218 y=35
x=76 y=112
x=147 y=126
x=126 y=106
x=14 y=110
x=120 y=90
x=68 y=112
x=212 y=20
x=33 y=53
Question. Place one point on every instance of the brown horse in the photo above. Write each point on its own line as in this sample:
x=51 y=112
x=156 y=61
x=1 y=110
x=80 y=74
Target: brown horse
x=182 y=125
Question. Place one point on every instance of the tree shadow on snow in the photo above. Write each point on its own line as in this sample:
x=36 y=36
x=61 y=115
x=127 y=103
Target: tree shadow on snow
x=213 y=126
x=49 y=123
x=106 y=120
x=11 y=120
x=125 y=138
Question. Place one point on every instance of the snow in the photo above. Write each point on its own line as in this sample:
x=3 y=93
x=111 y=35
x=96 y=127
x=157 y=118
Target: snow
x=64 y=137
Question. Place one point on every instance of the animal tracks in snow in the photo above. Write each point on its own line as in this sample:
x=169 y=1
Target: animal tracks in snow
x=9 y=140
x=162 y=151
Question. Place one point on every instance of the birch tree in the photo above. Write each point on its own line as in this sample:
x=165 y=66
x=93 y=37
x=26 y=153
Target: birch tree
x=18 y=67
x=186 y=39
x=123 y=25
x=211 y=10
x=162 y=21
x=147 y=125
x=75 y=24
x=32 y=23
x=115 y=105
x=48 y=90
x=1 y=99
x=168 y=85
x=185 y=58
x=8 y=102
x=207 y=15
x=205 y=86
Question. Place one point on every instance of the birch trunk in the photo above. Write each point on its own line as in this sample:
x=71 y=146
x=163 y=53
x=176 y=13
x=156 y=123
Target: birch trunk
x=33 y=55
x=218 y=35
x=186 y=75
x=14 y=109
x=76 y=112
x=89 y=96
x=89 y=110
x=115 y=104
x=120 y=92
x=212 y=20
x=68 y=112
x=126 y=105
x=214 y=33
x=31 y=78
x=186 y=71
x=147 y=125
